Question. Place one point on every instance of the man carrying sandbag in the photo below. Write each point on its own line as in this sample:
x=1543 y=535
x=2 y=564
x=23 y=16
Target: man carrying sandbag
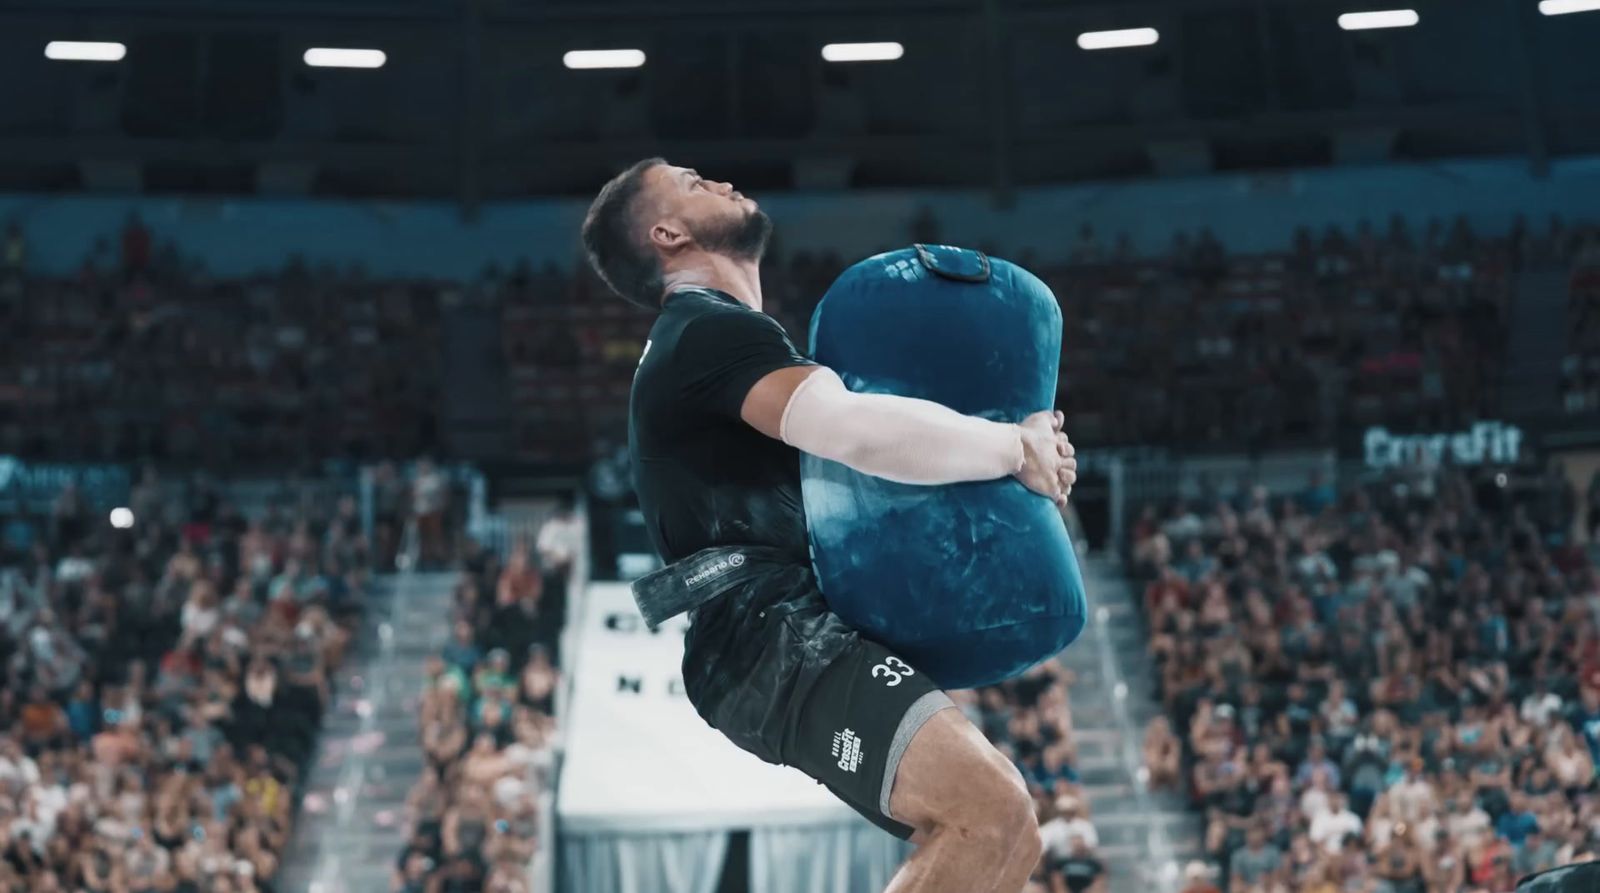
x=720 y=404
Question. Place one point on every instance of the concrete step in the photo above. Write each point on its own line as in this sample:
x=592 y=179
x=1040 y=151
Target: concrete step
x=1142 y=833
x=352 y=818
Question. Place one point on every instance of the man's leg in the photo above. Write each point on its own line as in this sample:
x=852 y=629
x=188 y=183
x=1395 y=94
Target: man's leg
x=974 y=819
x=875 y=731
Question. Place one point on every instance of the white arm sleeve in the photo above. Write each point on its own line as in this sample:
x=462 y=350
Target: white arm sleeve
x=902 y=439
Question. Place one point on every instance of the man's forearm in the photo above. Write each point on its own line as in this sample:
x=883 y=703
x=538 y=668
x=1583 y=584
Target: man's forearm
x=901 y=439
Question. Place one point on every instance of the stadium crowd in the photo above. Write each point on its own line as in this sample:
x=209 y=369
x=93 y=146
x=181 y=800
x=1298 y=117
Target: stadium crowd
x=1378 y=323
x=487 y=721
x=144 y=353
x=163 y=685
x=1580 y=368
x=1394 y=689
x=1343 y=330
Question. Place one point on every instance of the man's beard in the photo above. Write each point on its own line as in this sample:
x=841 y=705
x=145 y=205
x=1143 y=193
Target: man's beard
x=744 y=238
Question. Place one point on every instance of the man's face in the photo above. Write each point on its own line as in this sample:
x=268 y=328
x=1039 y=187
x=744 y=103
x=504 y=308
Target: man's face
x=682 y=208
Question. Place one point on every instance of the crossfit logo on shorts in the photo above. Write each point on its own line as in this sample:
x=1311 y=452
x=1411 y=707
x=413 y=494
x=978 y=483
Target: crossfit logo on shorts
x=847 y=750
x=714 y=570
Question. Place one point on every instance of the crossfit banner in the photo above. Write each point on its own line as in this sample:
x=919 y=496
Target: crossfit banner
x=1485 y=443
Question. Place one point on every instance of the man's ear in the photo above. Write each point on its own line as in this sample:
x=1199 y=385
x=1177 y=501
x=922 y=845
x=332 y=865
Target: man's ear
x=668 y=235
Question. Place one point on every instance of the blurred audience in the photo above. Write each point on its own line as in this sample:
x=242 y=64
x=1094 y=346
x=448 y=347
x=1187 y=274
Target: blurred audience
x=153 y=730
x=1396 y=691
x=146 y=354
x=487 y=725
x=1342 y=330
x=1362 y=327
x=1580 y=368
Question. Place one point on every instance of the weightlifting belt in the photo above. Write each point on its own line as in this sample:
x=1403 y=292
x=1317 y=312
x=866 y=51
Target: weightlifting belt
x=690 y=582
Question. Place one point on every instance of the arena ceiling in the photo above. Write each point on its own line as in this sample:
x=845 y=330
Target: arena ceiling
x=474 y=102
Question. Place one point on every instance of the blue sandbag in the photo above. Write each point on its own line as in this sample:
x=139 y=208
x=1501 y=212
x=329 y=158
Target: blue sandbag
x=972 y=583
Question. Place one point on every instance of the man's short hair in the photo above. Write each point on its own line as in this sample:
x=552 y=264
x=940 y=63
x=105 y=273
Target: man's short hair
x=617 y=250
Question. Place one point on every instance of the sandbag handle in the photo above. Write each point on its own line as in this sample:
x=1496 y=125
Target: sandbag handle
x=960 y=264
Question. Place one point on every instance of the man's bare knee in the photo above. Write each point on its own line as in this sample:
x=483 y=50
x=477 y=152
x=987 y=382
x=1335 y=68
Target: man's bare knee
x=997 y=813
x=954 y=782
x=1030 y=845
x=974 y=819
x=1022 y=823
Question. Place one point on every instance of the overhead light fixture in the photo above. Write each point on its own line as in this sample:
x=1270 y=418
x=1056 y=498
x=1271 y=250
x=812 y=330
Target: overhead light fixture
x=338 y=57
x=884 y=51
x=585 y=59
x=1564 y=7
x=84 y=51
x=1112 y=40
x=1382 y=18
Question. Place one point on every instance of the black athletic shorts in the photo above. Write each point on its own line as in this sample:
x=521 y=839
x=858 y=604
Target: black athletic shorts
x=768 y=665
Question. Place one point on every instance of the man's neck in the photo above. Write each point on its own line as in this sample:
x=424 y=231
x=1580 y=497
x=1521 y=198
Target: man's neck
x=740 y=279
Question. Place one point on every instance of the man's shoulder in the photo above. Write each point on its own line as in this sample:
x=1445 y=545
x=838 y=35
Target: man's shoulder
x=693 y=316
x=712 y=314
x=691 y=304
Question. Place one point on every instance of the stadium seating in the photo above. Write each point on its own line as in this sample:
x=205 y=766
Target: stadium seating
x=1580 y=386
x=1399 y=686
x=149 y=356
x=163 y=688
x=1390 y=326
x=487 y=725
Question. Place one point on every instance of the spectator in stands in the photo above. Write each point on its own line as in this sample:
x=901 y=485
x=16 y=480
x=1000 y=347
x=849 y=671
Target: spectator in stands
x=135 y=245
x=537 y=686
x=561 y=541
x=1067 y=826
x=1197 y=879
x=518 y=619
x=1254 y=864
x=412 y=875
x=1592 y=507
x=430 y=499
x=14 y=251
x=1162 y=755
x=444 y=731
x=493 y=677
x=463 y=652
x=1080 y=871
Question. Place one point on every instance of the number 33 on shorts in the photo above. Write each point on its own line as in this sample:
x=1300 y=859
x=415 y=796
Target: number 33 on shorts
x=894 y=669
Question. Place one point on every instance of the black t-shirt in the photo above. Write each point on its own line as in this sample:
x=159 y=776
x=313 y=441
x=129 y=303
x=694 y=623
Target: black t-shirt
x=1080 y=872
x=705 y=477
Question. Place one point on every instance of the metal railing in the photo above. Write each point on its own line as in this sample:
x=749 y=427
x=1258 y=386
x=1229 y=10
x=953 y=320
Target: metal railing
x=1136 y=481
x=462 y=478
